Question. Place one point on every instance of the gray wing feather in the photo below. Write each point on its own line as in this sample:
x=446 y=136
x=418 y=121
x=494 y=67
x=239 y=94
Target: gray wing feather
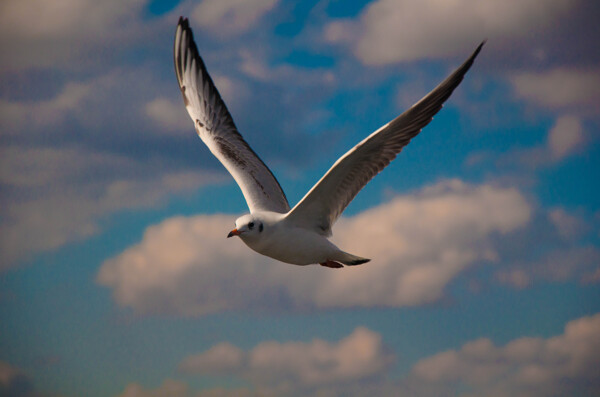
x=216 y=128
x=325 y=202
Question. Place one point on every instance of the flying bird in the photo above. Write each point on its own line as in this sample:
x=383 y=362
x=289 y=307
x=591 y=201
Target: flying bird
x=298 y=235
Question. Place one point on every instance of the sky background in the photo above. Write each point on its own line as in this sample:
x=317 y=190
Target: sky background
x=116 y=278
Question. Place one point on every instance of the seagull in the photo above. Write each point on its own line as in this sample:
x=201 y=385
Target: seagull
x=299 y=235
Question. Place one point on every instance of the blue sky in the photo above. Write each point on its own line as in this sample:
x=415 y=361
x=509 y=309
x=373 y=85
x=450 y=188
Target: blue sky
x=116 y=276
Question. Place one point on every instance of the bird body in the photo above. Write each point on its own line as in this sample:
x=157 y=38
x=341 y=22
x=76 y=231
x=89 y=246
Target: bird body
x=271 y=234
x=299 y=235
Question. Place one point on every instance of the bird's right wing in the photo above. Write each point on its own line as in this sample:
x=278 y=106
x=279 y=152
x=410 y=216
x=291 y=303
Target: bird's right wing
x=324 y=203
x=215 y=126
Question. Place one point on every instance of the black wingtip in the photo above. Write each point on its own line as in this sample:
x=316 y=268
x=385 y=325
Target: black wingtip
x=469 y=61
x=479 y=47
x=459 y=73
x=183 y=27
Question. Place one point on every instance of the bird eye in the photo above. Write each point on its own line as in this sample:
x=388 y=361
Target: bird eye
x=251 y=225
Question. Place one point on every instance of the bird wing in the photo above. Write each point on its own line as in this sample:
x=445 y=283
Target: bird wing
x=217 y=130
x=324 y=203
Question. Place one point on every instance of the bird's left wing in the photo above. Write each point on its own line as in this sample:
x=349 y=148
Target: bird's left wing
x=215 y=126
x=324 y=203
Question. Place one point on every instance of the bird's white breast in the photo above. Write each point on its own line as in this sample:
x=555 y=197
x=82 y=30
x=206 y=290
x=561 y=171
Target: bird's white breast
x=293 y=245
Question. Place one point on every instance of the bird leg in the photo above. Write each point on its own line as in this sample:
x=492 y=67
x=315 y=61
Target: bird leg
x=332 y=264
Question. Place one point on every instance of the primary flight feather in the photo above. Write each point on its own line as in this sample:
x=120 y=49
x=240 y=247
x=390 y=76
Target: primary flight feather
x=297 y=236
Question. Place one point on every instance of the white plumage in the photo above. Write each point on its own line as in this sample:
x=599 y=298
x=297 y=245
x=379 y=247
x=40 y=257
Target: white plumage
x=297 y=236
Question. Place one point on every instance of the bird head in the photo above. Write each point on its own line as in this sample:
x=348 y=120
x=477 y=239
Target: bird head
x=247 y=226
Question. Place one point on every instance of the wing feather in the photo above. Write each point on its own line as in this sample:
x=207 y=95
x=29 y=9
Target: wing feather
x=324 y=203
x=216 y=128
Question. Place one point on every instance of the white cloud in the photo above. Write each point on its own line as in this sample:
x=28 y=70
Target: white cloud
x=560 y=88
x=567 y=257
x=65 y=17
x=572 y=92
x=564 y=139
x=254 y=66
x=230 y=17
x=418 y=243
x=581 y=263
x=516 y=277
x=223 y=358
x=566 y=364
x=359 y=364
x=48 y=113
x=62 y=32
x=171 y=116
x=565 y=136
x=56 y=192
x=97 y=105
x=169 y=388
x=567 y=225
x=240 y=392
x=233 y=91
x=283 y=367
x=177 y=388
x=185 y=266
x=390 y=31
x=51 y=199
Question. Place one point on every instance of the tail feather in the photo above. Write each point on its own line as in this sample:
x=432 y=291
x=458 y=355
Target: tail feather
x=350 y=260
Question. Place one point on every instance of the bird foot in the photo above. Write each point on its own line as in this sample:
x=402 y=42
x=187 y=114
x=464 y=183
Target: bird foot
x=332 y=264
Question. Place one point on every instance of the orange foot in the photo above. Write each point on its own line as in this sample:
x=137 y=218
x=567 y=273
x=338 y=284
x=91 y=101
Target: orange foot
x=332 y=264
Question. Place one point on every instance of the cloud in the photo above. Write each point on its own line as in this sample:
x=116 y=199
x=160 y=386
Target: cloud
x=93 y=147
x=284 y=74
x=560 y=88
x=557 y=265
x=171 y=116
x=87 y=149
x=234 y=92
x=230 y=17
x=44 y=113
x=14 y=382
x=568 y=225
x=390 y=31
x=63 y=32
x=99 y=105
x=562 y=365
x=574 y=94
x=223 y=358
x=123 y=112
x=564 y=139
x=169 y=388
x=56 y=196
x=283 y=367
x=564 y=253
x=565 y=136
x=360 y=364
x=177 y=388
x=222 y=392
x=418 y=242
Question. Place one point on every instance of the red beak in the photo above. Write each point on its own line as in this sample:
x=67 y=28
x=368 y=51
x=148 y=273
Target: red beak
x=234 y=232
